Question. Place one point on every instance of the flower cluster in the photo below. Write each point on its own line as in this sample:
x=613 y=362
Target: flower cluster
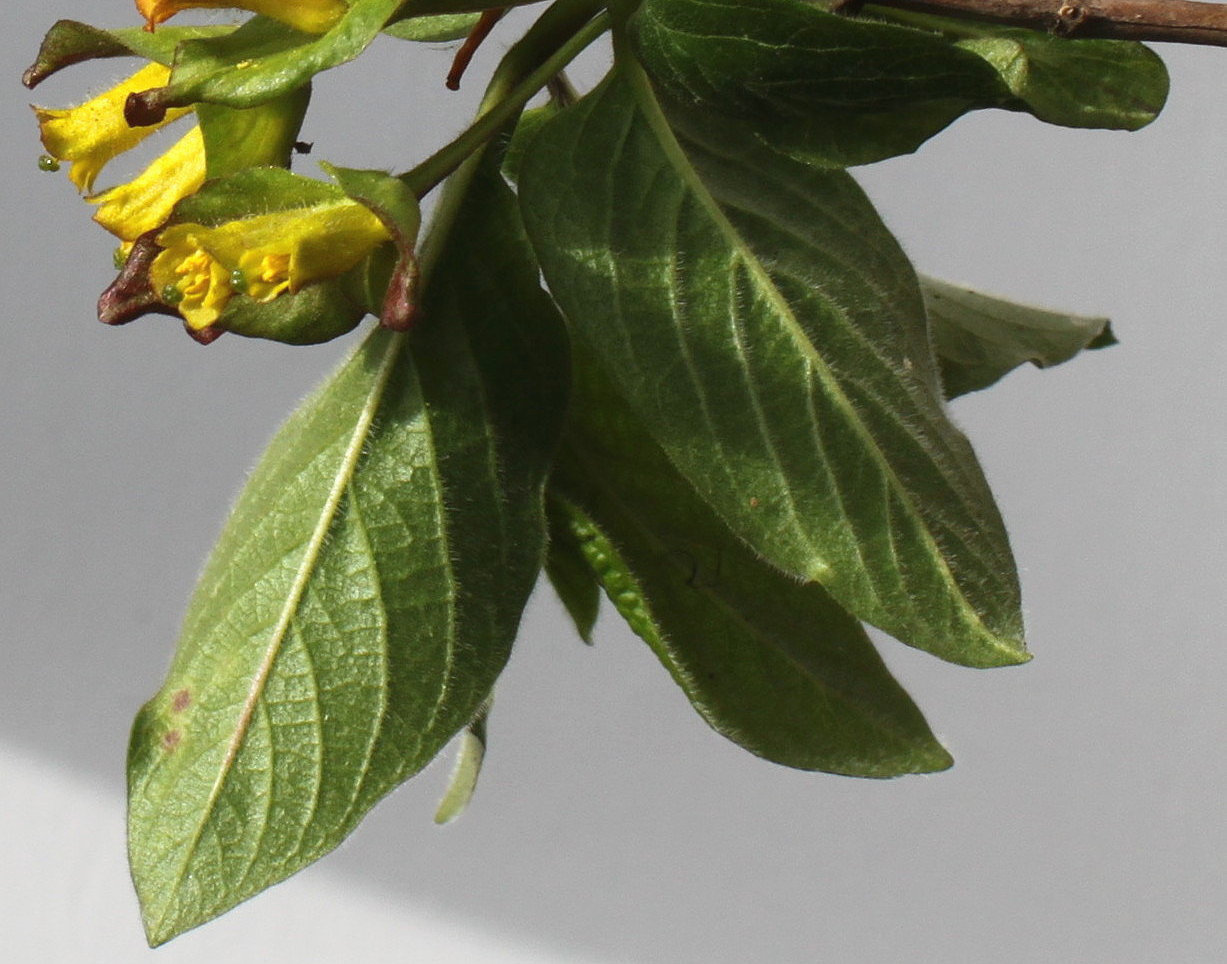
x=200 y=268
x=264 y=246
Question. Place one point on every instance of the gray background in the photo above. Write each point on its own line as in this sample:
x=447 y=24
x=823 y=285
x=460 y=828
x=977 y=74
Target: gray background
x=1083 y=820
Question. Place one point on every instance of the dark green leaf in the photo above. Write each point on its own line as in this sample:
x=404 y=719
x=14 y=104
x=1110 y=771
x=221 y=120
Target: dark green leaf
x=70 y=42
x=1077 y=83
x=569 y=572
x=1112 y=84
x=828 y=88
x=319 y=312
x=529 y=123
x=365 y=593
x=980 y=338
x=771 y=336
x=260 y=60
x=772 y=664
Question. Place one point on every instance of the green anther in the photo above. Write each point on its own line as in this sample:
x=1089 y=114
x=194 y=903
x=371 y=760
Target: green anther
x=238 y=280
x=48 y=163
x=171 y=295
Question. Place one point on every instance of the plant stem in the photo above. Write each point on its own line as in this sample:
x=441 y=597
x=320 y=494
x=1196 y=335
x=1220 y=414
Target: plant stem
x=557 y=38
x=1173 y=21
x=476 y=37
x=562 y=91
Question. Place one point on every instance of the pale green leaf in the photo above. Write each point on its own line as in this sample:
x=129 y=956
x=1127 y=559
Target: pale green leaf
x=261 y=136
x=570 y=574
x=462 y=784
x=980 y=338
x=771 y=336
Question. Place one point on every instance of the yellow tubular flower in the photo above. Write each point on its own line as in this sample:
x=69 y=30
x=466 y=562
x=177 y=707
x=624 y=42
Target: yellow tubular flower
x=260 y=257
x=90 y=135
x=131 y=209
x=309 y=16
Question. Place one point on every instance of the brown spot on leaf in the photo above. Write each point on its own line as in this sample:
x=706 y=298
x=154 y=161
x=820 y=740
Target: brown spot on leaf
x=181 y=701
x=171 y=739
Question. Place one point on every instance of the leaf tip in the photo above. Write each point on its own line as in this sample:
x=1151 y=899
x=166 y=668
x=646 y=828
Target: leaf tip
x=934 y=759
x=1105 y=339
x=470 y=756
x=156 y=936
x=1005 y=652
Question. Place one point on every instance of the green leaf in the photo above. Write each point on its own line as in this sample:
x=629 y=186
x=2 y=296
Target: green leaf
x=318 y=313
x=527 y=126
x=569 y=572
x=1077 y=83
x=433 y=30
x=827 y=88
x=771 y=336
x=257 y=190
x=365 y=592
x=1114 y=84
x=260 y=60
x=71 y=42
x=774 y=665
x=470 y=755
x=980 y=338
x=256 y=137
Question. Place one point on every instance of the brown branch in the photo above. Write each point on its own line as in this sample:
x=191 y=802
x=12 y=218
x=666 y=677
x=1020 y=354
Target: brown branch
x=1173 y=21
x=481 y=30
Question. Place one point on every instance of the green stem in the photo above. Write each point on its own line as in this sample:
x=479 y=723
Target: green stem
x=557 y=38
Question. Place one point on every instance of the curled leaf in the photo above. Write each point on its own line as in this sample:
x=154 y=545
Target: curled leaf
x=980 y=338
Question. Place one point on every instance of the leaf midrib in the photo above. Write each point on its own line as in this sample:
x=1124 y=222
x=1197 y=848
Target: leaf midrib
x=653 y=114
x=306 y=568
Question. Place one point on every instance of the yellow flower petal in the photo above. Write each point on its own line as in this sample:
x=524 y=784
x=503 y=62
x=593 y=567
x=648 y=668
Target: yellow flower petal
x=145 y=202
x=265 y=274
x=310 y=16
x=93 y=133
x=193 y=278
x=263 y=256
